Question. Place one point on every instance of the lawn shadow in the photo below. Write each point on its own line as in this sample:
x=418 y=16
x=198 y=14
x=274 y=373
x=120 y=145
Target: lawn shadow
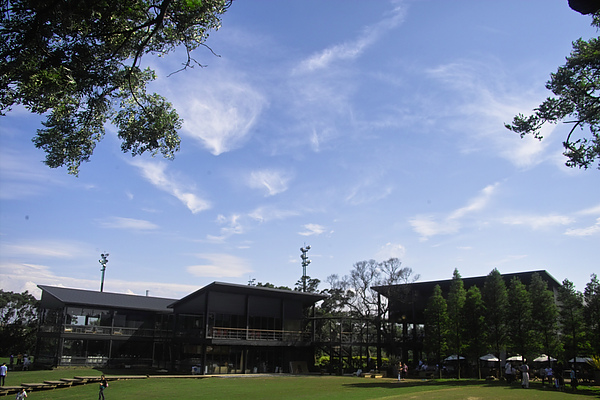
x=394 y=384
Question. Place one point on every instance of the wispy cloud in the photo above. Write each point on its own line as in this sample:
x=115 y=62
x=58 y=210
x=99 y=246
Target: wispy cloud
x=483 y=96
x=354 y=48
x=312 y=229
x=18 y=277
x=156 y=174
x=220 y=266
x=427 y=225
x=44 y=248
x=391 y=250
x=538 y=221
x=128 y=224
x=273 y=181
x=267 y=213
x=219 y=113
x=587 y=231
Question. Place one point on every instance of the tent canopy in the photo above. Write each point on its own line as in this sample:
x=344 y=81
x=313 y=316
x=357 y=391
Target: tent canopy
x=544 y=358
x=580 y=359
x=489 y=357
x=515 y=358
x=454 y=357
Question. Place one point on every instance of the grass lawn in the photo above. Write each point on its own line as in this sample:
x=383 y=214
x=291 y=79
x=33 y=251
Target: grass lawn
x=288 y=388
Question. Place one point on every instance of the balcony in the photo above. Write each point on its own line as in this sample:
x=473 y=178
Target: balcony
x=219 y=333
x=103 y=330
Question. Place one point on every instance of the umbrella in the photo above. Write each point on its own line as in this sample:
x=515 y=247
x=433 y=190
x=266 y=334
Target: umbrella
x=515 y=358
x=454 y=357
x=489 y=357
x=580 y=359
x=544 y=358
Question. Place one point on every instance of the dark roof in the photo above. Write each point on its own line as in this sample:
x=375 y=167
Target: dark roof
x=525 y=278
x=305 y=298
x=104 y=299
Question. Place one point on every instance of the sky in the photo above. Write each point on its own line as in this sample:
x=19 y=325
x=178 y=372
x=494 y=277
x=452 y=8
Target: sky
x=365 y=129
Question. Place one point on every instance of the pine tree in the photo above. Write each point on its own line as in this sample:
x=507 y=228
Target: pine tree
x=519 y=317
x=456 y=303
x=436 y=325
x=544 y=316
x=474 y=325
x=495 y=298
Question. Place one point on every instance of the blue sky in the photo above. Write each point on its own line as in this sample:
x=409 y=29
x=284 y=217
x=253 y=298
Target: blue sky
x=367 y=129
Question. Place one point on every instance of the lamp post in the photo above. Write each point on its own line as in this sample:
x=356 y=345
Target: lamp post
x=103 y=261
x=305 y=262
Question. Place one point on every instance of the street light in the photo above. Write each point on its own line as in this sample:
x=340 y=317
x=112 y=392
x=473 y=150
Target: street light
x=103 y=261
x=305 y=262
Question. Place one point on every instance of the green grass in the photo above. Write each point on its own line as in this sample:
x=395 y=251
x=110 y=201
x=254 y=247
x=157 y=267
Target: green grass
x=289 y=388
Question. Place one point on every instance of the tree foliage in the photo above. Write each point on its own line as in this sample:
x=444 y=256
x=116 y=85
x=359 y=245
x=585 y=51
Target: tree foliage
x=456 y=303
x=78 y=64
x=519 y=320
x=591 y=310
x=576 y=100
x=436 y=325
x=474 y=325
x=18 y=322
x=495 y=298
x=571 y=318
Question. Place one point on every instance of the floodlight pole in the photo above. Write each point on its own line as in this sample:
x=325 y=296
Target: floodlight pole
x=103 y=261
x=305 y=262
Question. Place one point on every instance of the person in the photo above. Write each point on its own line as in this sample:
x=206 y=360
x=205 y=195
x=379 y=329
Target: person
x=400 y=370
x=508 y=372
x=21 y=395
x=574 y=381
x=405 y=370
x=549 y=375
x=3 y=372
x=103 y=385
x=525 y=375
x=558 y=375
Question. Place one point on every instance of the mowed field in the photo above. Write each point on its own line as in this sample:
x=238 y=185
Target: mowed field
x=262 y=387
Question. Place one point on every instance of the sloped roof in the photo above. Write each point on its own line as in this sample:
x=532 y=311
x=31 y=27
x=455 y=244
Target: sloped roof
x=525 y=278
x=305 y=298
x=90 y=298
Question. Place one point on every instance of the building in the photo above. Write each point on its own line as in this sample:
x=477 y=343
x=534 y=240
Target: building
x=407 y=302
x=221 y=328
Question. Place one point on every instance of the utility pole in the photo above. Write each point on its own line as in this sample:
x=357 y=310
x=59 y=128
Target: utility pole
x=305 y=262
x=103 y=261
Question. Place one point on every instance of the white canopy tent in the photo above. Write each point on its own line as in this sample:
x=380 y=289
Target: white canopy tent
x=515 y=358
x=489 y=357
x=544 y=358
x=454 y=357
x=580 y=360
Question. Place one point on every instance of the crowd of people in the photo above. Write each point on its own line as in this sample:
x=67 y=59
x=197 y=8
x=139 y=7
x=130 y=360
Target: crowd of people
x=552 y=374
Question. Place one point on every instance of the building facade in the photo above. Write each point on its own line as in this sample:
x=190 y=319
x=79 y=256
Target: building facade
x=221 y=328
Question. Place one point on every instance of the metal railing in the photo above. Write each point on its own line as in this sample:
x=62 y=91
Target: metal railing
x=258 y=334
x=103 y=330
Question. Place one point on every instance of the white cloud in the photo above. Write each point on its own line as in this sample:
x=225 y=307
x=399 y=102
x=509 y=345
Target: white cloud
x=587 y=231
x=44 y=248
x=591 y=211
x=538 y=221
x=312 y=229
x=156 y=174
x=18 y=277
x=220 y=266
x=427 y=226
x=483 y=98
x=391 y=250
x=128 y=223
x=219 y=113
x=264 y=214
x=353 y=49
x=272 y=181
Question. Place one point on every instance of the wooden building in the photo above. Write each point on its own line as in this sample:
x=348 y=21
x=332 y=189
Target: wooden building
x=221 y=328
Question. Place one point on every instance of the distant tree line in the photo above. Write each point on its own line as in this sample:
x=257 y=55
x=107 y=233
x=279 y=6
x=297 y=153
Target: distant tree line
x=18 y=322
x=527 y=321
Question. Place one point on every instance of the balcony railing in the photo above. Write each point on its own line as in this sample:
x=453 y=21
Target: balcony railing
x=258 y=334
x=104 y=330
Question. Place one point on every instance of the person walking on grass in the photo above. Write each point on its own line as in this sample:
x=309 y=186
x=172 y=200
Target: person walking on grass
x=3 y=372
x=525 y=374
x=103 y=385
